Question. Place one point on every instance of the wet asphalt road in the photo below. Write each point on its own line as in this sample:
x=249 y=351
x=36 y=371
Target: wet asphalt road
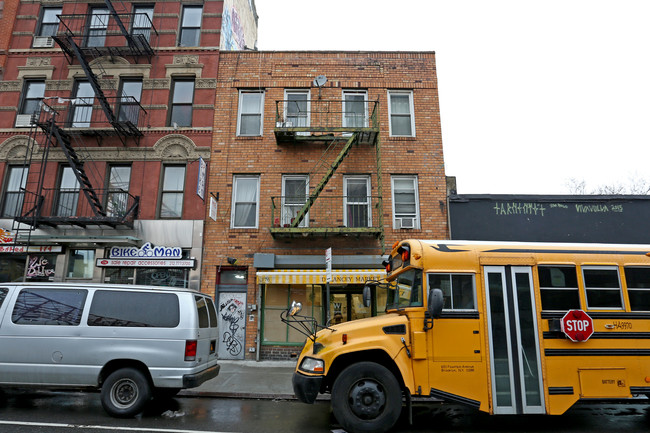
x=30 y=411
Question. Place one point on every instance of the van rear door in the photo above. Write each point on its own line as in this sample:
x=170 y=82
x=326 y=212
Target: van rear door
x=206 y=351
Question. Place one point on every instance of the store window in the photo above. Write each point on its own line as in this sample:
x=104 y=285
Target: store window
x=81 y=264
x=278 y=298
x=41 y=267
x=12 y=268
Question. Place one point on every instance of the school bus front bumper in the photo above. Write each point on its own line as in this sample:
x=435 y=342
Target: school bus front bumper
x=306 y=387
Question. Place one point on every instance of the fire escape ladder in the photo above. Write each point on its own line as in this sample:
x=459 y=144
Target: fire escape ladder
x=78 y=169
x=328 y=175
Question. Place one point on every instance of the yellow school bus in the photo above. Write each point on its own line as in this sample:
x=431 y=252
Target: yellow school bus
x=507 y=328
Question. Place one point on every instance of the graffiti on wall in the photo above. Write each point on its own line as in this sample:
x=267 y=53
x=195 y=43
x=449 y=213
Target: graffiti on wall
x=40 y=267
x=231 y=325
x=232 y=31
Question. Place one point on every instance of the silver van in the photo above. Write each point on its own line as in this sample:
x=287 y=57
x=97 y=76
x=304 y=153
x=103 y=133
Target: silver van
x=133 y=342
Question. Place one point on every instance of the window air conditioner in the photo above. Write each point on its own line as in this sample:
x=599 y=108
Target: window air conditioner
x=43 y=42
x=404 y=223
x=23 y=120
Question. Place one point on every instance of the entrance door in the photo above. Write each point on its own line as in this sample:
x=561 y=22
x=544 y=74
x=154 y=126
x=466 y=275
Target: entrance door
x=514 y=341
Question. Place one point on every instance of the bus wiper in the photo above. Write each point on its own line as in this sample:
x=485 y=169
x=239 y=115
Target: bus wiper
x=306 y=325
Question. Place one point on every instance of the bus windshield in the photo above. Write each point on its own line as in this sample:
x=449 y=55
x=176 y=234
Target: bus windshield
x=406 y=292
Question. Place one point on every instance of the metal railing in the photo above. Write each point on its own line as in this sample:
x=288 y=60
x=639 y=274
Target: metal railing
x=343 y=115
x=343 y=212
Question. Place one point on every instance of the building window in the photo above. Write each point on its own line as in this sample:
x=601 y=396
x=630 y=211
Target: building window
x=400 y=111
x=14 y=191
x=130 y=95
x=355 y=109
x=117 y=196
x=558 y=287
x=142 y=22
x=251 y=113
x=182 y=99
x=458 y=290
x=602 y=287
x=68 y=194
x=81 y=264
x=638 y=288
x=97 y=26
x=33 y=93
x=190 y=26
x=172 y=191
x=82 y=105
x=295 y=190
x=356 y=201
x=49 y=22
x=296 y=108
x=405 y=202
x=245 y=199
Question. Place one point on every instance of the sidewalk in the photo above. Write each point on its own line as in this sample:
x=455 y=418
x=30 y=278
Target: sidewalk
x=249 y=379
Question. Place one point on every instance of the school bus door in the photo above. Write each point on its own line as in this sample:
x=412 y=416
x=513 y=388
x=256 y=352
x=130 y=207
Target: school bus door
x=516 y=372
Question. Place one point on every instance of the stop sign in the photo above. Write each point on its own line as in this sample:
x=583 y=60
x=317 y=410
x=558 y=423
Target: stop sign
x=577 y=325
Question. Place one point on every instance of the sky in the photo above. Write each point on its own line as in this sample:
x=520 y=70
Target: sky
x=532 y=93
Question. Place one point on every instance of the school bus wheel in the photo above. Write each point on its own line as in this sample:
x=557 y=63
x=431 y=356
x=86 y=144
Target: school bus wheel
x=366 y=397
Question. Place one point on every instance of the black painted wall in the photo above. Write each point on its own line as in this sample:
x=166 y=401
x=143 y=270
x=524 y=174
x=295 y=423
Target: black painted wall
x=538 y=218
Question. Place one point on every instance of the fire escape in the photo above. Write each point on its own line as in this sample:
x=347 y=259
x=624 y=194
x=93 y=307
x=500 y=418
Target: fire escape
x=339 y=126
x=94 y=111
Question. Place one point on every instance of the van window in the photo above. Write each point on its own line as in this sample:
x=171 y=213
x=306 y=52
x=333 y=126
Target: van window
x=212 y=312
x=49 y=307
x=204 y=321
x=3 y=295
x=558 y=287
x=134 y=309
x=638 y=288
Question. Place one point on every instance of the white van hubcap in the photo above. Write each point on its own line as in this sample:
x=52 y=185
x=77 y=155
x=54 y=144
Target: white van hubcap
x=124 y=393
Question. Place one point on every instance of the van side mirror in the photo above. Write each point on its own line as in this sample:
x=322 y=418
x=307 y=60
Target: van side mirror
x=367 y=294
x=436 y=302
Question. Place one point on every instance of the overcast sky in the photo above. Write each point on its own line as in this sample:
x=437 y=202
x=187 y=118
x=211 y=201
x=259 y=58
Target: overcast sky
x=532 y=93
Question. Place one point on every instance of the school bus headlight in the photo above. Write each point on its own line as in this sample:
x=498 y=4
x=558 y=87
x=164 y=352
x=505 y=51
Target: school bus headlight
x=311 y=365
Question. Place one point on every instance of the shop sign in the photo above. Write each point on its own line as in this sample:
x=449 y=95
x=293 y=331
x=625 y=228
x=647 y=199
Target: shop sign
x=40 y=267
x=6 y=236
x=200 y=182
x=30 y=249
x=146 y=251
x=146 y=263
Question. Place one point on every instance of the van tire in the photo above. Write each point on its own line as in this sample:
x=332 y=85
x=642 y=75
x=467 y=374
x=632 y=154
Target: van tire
x=366 y=397
x=125 y=393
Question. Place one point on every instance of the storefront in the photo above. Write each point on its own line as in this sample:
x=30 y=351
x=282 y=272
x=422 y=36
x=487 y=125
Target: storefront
x=344 y=302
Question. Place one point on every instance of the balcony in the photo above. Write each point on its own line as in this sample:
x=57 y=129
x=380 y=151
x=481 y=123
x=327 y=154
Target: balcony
x=55 y=207
x=107 y=34
x=327 y=216
x=326 y=120
x=84 y=116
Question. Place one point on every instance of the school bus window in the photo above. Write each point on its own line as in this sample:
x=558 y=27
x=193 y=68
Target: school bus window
x=457 y=290
x=558 y=287
x=602 y=287
x=408 y=291
x=638 y=288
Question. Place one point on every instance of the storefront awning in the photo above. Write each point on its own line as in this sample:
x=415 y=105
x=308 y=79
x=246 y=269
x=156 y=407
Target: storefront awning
x=311 y=276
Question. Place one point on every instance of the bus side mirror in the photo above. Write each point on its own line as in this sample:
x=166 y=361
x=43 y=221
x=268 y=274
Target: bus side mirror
x=367 y=295
x=436 y=301
x=296 y=307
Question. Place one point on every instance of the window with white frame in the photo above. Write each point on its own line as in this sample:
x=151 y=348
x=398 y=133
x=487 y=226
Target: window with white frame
x=245 y=201
x=295 y=190
x=355 y=108
x=251 y=113
x=356 y=201
x=406 y=209
x=296 y=108
x=400 y=111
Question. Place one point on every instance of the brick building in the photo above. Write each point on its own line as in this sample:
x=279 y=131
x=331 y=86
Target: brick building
x=105 y=136
x=315 y=150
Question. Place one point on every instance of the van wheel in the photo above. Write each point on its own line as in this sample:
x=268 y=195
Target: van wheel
x=125 y=392
x=366 y=397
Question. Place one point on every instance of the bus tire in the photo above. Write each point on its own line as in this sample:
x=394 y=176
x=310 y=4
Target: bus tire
x=366 y=397
x=125 y=393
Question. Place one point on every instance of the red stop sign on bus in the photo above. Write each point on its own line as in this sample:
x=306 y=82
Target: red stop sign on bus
x=577 y=325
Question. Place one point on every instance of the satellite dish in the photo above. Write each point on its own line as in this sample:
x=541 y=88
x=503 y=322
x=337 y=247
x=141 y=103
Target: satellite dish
x=320 y=81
